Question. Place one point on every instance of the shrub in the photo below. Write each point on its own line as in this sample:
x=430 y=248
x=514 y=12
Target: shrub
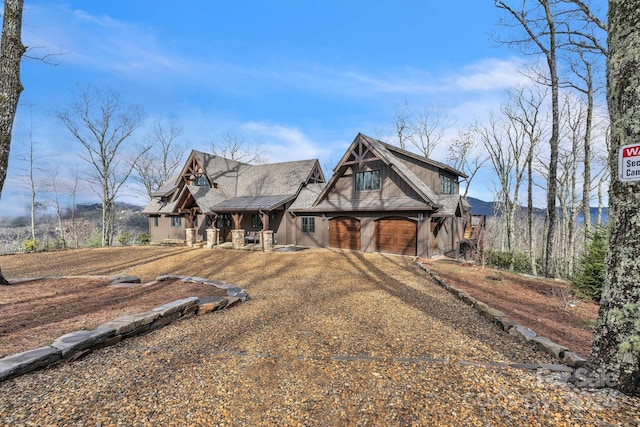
x=30 y=245
x=57 y=244
x=95 y=240
x=125 y=238
x=143 y=239
x=591 y=269
x=502 y=260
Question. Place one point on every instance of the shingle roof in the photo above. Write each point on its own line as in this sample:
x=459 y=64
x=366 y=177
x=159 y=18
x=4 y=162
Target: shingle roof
x=157 y=207
x=274 y=178
x=237 y=185
x=307 y=196
x=449 y=204
x=167 y=188
x=205 y=196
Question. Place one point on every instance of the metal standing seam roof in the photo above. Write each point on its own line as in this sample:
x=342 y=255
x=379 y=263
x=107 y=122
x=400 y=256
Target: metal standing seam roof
x=252 y=203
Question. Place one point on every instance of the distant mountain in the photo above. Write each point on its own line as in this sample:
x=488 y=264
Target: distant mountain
x=480 y=207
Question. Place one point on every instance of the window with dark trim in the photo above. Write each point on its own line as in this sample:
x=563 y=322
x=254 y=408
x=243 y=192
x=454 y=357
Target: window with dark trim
x=256 y=221
x=308 y=225
x=200 y=181
x=448 y=185
x=176 y=221
x=368 y=180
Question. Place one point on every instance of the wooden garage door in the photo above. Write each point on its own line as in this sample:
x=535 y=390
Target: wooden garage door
x=396 y=236
x=344 y=233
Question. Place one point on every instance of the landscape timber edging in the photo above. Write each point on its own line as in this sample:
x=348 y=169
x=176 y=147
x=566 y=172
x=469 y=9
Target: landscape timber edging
x=76 y=344
x=506 y=324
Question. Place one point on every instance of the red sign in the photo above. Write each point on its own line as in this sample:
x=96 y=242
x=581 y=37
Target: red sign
x=629 y=163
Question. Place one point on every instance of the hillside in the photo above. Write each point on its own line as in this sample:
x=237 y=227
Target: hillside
x=480 y=207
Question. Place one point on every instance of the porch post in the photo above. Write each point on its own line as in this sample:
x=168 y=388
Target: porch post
x=212 y=237
x=267 y=240
x=190 y=236
x=237 y=234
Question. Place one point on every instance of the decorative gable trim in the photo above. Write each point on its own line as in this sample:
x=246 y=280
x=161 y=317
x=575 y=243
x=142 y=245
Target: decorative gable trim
x=193 y=171
x=359 y=153
x=365 y=149
x=316 y=176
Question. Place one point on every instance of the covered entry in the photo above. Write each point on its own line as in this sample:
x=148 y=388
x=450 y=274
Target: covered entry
x=344 y=233
x=396 y=236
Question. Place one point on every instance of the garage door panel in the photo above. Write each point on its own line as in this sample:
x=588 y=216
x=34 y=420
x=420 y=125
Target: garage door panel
x=344 y=233
x=397 y=236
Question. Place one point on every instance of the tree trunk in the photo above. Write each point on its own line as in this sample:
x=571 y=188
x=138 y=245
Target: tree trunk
x=552 y=186
x=586 y=185
x=615 y=356
x=11 y=51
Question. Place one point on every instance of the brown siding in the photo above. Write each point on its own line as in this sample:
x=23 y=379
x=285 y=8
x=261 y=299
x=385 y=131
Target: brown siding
x=391 y=185
x=429 y=174
x=318 y=239
x=164 y=230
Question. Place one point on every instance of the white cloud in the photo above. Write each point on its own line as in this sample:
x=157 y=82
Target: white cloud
x=99 y=42
x=282 y=143
x=490 y=74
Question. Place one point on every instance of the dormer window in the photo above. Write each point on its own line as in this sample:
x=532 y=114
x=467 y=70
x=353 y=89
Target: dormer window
x=448 y=185
x=199 y=180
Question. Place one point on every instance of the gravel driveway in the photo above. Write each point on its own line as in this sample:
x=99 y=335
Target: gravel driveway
x=328 y=338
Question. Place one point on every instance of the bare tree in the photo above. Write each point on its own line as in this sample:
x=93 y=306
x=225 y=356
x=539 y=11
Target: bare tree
x=236 y=148
x=403 y=119
x=536 y=19
x=465 y=154
x=55 y=188
x=527 y=113
x=505 y=145
x=615 y=355
x=102 y=123
x=427 y=130
x=28 y=174
x=157 y=165
x=11 y=52
x=574 y=115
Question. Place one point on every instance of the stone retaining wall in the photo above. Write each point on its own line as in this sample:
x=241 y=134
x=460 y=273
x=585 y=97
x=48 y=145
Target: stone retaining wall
x=502 y=320
x=78 y=343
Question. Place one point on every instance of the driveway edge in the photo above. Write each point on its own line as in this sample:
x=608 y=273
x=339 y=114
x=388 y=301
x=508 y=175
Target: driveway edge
x=76 y=344
x=506 y=324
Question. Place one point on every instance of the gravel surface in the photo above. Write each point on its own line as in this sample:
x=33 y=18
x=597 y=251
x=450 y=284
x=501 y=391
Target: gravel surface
x=328 y=338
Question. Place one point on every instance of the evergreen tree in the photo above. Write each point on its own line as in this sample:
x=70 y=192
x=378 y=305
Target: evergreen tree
x=589 y=280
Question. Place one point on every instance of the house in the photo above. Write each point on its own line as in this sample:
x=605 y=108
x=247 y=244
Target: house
x=383 y=199
x=212 y=190
x=380 y=199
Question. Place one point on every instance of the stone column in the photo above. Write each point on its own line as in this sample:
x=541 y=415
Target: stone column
x=212 y=237
x=267 y=240
x=237 y=238
x=191 y=236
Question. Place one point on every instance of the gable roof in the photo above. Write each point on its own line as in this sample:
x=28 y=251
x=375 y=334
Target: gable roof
x=307 y=196
x=234 y=185
x=364 y=148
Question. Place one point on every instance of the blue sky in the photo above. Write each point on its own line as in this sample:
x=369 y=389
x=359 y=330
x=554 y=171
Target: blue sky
x=300 y=78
